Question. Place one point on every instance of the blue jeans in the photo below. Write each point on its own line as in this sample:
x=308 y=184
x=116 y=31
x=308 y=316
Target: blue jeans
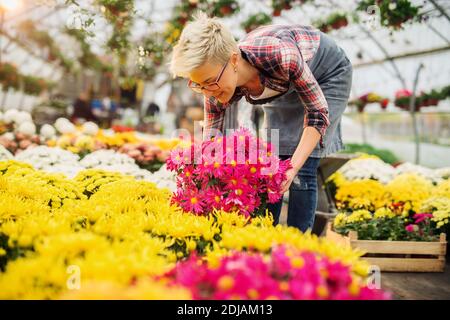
x=302 y=197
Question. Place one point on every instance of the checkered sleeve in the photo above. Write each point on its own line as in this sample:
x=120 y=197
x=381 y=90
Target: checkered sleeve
x=309 y=92
x=213 y=117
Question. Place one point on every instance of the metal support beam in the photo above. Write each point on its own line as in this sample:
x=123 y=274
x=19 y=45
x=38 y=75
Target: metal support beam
x=386 y=54
x=441 y=10
x=402 y=56
x=412 y=111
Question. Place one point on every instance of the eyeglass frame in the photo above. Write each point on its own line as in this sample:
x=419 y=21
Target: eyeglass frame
x=216 y=82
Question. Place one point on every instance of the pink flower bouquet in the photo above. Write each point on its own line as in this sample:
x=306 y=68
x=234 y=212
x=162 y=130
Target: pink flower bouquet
x=236 y=172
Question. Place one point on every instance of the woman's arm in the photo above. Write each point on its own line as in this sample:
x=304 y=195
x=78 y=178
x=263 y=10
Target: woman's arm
x=308 y=90
x=313 y=100
x=308 y=142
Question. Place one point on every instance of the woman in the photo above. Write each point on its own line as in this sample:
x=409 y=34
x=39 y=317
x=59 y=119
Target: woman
x=298 y=74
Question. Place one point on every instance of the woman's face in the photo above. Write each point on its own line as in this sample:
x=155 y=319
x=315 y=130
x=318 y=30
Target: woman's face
x=207 y=74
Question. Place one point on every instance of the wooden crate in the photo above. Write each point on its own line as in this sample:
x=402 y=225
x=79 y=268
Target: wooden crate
x=397 y=256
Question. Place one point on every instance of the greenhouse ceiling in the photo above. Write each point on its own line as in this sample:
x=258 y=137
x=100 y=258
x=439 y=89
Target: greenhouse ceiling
x=385 y=58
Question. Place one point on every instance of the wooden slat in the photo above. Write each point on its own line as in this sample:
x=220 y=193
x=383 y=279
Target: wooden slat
x=400 y=247
x=399 y=264
x=408 y=265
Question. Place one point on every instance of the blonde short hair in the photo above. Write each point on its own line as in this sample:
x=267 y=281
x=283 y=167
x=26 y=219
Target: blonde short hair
x=202 y=40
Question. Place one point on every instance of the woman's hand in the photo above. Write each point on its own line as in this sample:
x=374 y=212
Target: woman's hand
x=290 y=176
x=310 y=138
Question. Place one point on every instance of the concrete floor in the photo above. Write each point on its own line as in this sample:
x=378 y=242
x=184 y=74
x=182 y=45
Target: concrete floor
x=417 y=286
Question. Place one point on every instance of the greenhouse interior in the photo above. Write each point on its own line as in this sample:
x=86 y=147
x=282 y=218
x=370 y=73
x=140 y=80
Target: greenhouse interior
x=224 y=149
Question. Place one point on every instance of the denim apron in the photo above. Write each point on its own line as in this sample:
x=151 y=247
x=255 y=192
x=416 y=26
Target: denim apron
x=333 y=71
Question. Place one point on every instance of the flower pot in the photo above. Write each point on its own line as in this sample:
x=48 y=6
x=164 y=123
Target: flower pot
x=343 y=22
x=335 y=25
x=324 y=28
x=433 y=102
x=226 y=10
x=182 y=20
x=276 y=12
x=113 y=10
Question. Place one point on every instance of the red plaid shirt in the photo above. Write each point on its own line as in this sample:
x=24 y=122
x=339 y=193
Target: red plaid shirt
x=279 y=52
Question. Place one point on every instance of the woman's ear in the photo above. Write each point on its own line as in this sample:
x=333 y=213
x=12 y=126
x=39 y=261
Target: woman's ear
x=234 y=59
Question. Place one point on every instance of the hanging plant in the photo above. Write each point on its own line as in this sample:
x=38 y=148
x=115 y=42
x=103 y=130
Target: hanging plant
x=185 y=10
x=424 y=99
x=120 y=14
x=367 y=98
x=393 y=14
x=127 y=83
x=153 y=49
x=223 y=8
x=29 y=30
x=87 y=58
x=119 y=41
x=279 y=5
x=9 y=76
x=172 y=32
x=146 y=71
x=334 y=22
x=255 y=21
x=116 y=9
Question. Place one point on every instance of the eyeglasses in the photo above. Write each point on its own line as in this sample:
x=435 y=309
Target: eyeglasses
x=209 y=87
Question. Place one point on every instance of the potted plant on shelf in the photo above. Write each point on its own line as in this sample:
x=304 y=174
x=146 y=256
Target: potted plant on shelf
x=393 y=14
x=334 y=21
x=338 y=20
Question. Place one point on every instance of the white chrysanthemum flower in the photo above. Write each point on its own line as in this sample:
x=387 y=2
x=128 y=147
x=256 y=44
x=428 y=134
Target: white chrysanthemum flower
x=64 y=126
x=10 y=115
x=70 y=171
x=47 y=131
x=90 y=128
x=42 y=157
x=8 y=135
x=164 y=178
x=22 y=117
x=368 y=168
x=444 y=173
x=425 y=172
x=106 y=158
x=28 y=128
x=5 y=154
x=126 y=169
